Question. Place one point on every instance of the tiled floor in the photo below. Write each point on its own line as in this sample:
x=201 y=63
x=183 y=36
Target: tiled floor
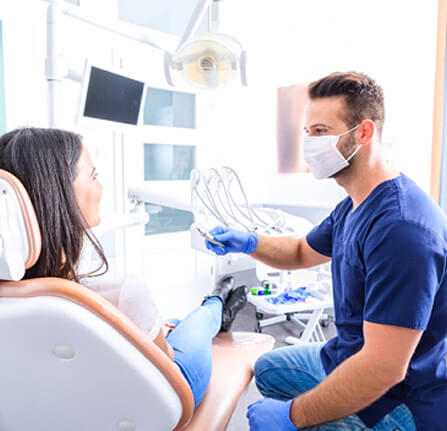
x=246 y=321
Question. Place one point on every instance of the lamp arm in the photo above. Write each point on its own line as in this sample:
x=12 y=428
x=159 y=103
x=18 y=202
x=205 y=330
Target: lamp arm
x=213 y=16
x=173 y=194
x=194 y=21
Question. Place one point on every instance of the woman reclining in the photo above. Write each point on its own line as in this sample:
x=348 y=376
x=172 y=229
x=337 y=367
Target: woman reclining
x=57 y=172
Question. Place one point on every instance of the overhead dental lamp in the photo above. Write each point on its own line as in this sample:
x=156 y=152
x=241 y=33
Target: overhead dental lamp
x=208 y=61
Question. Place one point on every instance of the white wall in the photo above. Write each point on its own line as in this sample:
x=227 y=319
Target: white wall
x=291 y=41
x=23 y=42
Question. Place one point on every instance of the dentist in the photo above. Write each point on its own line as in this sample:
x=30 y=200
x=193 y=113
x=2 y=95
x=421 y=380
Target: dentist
x=385 y=369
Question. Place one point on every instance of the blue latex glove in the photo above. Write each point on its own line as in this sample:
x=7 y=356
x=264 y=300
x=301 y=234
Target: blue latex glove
x=235 y=241
x=270 y=415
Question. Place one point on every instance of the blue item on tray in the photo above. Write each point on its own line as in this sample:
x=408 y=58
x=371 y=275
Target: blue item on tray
x=290 y=297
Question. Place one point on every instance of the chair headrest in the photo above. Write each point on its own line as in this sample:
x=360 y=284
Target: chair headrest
x=20 y=240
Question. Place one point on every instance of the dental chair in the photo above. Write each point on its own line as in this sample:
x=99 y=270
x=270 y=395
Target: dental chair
x=71 y=361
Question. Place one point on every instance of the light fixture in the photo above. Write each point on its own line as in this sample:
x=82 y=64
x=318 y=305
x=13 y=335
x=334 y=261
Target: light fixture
x=208 y=61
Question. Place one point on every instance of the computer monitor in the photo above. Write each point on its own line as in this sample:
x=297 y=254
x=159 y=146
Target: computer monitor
x=111 y=96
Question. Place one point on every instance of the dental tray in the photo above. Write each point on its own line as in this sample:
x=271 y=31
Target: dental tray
x=288 y=302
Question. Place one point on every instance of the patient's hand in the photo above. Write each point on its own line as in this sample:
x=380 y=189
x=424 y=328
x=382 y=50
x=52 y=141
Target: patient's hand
x=167 y=328
x=160 y=341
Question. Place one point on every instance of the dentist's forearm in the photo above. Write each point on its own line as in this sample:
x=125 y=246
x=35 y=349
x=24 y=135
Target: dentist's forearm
x=281 y=253
x=287 y=253
x=351 y=387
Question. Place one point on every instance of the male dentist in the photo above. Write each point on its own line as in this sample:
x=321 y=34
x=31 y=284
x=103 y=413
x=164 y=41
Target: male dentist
x=386 y=369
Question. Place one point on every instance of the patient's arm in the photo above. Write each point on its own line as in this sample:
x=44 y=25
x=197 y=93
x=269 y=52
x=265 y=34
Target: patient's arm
x=161 y=342
x=132 y=297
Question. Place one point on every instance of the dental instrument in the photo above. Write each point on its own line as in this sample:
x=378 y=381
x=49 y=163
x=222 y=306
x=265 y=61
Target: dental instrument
x=209 y=237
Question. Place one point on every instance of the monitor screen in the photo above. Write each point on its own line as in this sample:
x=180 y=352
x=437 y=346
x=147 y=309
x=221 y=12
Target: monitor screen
x=113 y=97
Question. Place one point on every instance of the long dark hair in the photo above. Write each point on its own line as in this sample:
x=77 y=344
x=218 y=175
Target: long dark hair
x=45 y=161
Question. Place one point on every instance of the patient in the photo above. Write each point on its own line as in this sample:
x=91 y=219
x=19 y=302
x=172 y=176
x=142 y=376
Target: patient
x=56 y=170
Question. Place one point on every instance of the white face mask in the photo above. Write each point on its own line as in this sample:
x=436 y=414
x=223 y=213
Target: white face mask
x=322 y=156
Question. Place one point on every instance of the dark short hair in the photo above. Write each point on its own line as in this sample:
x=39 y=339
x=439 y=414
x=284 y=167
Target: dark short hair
x=362 y=95
x=45 y=161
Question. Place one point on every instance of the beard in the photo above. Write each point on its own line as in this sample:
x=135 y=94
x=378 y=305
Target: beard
x=346 y=150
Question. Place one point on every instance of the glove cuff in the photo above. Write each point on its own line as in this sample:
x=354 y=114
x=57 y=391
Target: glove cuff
x=288 y=424
x=252 y=243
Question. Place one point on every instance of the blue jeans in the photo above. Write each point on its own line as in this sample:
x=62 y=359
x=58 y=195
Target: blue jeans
x=286 y=373
x=191 y=340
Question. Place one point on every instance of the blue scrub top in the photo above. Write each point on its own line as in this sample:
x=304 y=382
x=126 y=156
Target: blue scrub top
x=389 y=260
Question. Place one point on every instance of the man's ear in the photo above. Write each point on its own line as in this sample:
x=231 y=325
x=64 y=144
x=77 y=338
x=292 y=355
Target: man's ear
x=366 y=131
